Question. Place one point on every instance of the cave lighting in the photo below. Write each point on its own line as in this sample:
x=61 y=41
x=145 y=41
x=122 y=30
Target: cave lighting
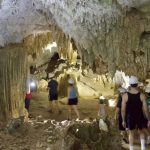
x=50 y=46
x=32 y=84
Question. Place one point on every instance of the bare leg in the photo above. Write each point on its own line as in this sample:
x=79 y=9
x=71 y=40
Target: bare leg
x=101 y=112
x=146 y=131
x=57 y=106
x=50 y=106
x=142 y=138
x=70 y=111
x=76 y=111
x=131 y=139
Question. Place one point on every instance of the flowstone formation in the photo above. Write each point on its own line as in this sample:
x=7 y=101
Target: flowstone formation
x=13 y=66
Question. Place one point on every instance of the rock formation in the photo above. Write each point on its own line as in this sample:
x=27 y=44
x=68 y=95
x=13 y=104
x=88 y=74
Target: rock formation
x=109 y=35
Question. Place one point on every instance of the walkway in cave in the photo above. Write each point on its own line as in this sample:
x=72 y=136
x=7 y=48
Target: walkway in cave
x=88 y=109
x=39 y=106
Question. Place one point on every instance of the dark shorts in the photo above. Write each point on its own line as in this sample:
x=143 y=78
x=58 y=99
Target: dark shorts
x=145 y=122
x=53 y=97
x=120 y=126
x=136 y=122
x=101 y=101
x=73 y=101
x=27 y=103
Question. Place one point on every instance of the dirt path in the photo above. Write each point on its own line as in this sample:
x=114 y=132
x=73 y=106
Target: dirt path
x=39 y=106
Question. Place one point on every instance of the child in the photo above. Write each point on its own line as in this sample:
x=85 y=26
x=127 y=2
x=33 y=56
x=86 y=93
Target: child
x=27 y=100
x=101 y=112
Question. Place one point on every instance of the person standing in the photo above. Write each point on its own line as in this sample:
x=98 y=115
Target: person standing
x=53 y=93
x=118 y=116
x=73 y=98
x=147 y=92
x=101 y=112
x=134 y=107
x=28 y=98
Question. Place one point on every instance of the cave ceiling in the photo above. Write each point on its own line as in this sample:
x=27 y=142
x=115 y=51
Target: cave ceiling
x=102 y=30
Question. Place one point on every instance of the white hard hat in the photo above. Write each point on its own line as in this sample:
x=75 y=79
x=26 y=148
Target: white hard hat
x=140 y=84
x=50 y=75
x=147 y=89
x=122 y=90
x=71 y=81
x=133 y=80
x=101 y=97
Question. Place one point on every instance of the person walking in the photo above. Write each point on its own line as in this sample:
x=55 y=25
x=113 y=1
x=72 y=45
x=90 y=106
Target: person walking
x=73 y=98
x=118 y=116
x=53 y=93
x=147 y=92
x=134 y=107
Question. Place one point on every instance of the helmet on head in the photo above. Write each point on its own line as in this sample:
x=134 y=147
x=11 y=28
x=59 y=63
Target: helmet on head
x=101 y=97
x=50 y=75
x=122 y=90
x=140 y=84
x=147 y=89
x=71 y=81
x=133 y=80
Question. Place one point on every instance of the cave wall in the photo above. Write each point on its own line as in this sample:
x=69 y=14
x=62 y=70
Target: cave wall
x=125 y=47
x=103 y=30
x=108 y=36
x=13 y=73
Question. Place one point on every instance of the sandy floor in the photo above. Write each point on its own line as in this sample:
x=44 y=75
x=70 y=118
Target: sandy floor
x=39 y=106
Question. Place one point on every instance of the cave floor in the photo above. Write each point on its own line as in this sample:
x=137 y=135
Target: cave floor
x=32 y=135
x=88 y=108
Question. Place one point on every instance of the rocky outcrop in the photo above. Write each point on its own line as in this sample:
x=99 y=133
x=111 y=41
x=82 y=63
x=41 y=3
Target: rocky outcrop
x=54 y=135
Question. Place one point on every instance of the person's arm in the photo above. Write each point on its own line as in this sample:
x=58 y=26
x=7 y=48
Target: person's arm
x=118 y=103
x=48 y=87
x=68 y=91
x=77 y=92
x=123 y=109
x=145 y=108
x=116 y=113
